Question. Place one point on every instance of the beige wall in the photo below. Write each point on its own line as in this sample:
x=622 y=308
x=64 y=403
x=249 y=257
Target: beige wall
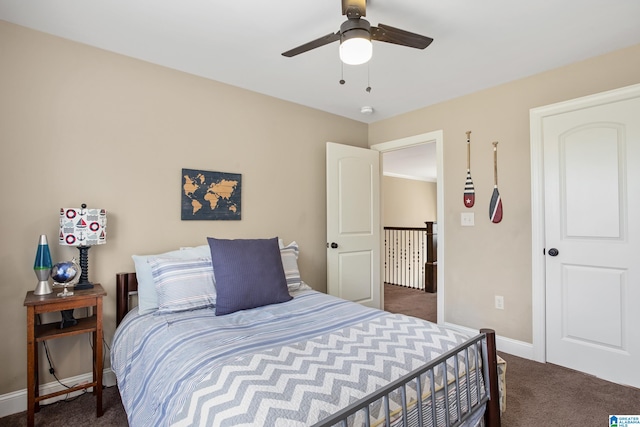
x=133 y=126
x=81 y=125
x=407 y=202
x=495 y=259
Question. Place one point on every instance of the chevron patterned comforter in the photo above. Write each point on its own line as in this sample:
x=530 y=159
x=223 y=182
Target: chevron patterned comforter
x=288 y=364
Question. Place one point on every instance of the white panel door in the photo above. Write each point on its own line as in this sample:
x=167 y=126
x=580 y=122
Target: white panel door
x=353 y=224
x=592 y=226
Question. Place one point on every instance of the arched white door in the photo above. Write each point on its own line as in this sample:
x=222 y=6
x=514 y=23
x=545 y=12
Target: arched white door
x=353 y=224
x=591 y=151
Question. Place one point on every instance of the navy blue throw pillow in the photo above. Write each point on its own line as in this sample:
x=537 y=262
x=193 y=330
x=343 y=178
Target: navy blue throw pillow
x=248 y=274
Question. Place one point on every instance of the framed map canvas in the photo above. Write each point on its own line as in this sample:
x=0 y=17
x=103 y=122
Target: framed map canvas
x=211 y=195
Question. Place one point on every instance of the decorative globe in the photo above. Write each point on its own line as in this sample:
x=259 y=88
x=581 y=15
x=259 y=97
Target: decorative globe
x=64 y=273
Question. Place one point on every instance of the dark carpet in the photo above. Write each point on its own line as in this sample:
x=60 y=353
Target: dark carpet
x=79 y=412
x=542 y=394
x=412 y=302
x=538 y=394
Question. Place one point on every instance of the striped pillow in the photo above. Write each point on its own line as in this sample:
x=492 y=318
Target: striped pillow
x=183 y=284
x=147 y=296
x=289 y=256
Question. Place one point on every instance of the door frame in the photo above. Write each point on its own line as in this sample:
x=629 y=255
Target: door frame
x=538 y=283
x=436 y=137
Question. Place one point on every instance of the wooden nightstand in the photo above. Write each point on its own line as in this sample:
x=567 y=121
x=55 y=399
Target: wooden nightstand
x=37 y=304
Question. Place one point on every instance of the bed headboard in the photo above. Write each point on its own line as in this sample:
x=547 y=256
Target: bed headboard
x=126 y=285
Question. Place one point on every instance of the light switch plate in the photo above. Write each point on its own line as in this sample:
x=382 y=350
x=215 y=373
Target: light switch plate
x=467 y=219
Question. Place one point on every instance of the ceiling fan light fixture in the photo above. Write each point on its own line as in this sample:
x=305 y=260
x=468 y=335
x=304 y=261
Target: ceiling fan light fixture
x=355 y=47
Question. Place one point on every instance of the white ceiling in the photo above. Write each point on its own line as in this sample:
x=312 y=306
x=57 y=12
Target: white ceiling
x=417 y=162
x=477 y=44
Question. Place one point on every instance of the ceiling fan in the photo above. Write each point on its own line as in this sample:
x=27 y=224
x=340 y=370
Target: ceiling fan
x=355 y=36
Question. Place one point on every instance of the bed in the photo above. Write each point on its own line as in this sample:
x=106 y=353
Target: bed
x=311 y=359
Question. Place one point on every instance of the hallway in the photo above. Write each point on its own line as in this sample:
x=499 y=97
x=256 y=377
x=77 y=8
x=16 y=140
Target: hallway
x=412 y=302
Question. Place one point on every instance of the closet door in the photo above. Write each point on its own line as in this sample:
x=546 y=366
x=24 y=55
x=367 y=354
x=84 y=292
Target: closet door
x=592 y=232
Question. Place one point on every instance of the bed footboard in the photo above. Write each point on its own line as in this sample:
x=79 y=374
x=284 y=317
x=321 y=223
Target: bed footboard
x=488 y=401
x=490 y=360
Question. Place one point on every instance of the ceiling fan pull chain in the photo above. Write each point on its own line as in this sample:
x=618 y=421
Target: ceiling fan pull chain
x=368 y=89
x=341 y=73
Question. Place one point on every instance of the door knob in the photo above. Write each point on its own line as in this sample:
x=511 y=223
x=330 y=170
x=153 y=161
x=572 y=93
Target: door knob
x=334 y=245
x=553 y=252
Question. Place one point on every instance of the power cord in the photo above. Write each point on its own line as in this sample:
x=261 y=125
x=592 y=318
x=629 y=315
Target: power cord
x=52 y=371
x=104 y=353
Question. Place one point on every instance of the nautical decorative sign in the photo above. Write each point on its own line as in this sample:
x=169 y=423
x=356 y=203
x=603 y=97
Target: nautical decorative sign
x=211 y=195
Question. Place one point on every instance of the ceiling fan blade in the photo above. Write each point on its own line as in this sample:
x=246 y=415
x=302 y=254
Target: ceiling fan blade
x=329 y=38
x=388 y=34
x=356 y=8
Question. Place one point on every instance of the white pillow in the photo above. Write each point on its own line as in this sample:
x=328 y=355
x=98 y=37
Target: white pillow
x=147 y=296
x=183 y=284
x=289 y=256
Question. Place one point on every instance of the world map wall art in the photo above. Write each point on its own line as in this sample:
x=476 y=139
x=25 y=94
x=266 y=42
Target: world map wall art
x=211 y=195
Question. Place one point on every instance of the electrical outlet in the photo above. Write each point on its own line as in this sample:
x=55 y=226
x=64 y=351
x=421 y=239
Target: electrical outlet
x=499 y=302
x=467 y=219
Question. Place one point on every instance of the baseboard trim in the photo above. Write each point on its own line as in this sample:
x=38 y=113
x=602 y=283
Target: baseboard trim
x=14 y=402
x=506 y=345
